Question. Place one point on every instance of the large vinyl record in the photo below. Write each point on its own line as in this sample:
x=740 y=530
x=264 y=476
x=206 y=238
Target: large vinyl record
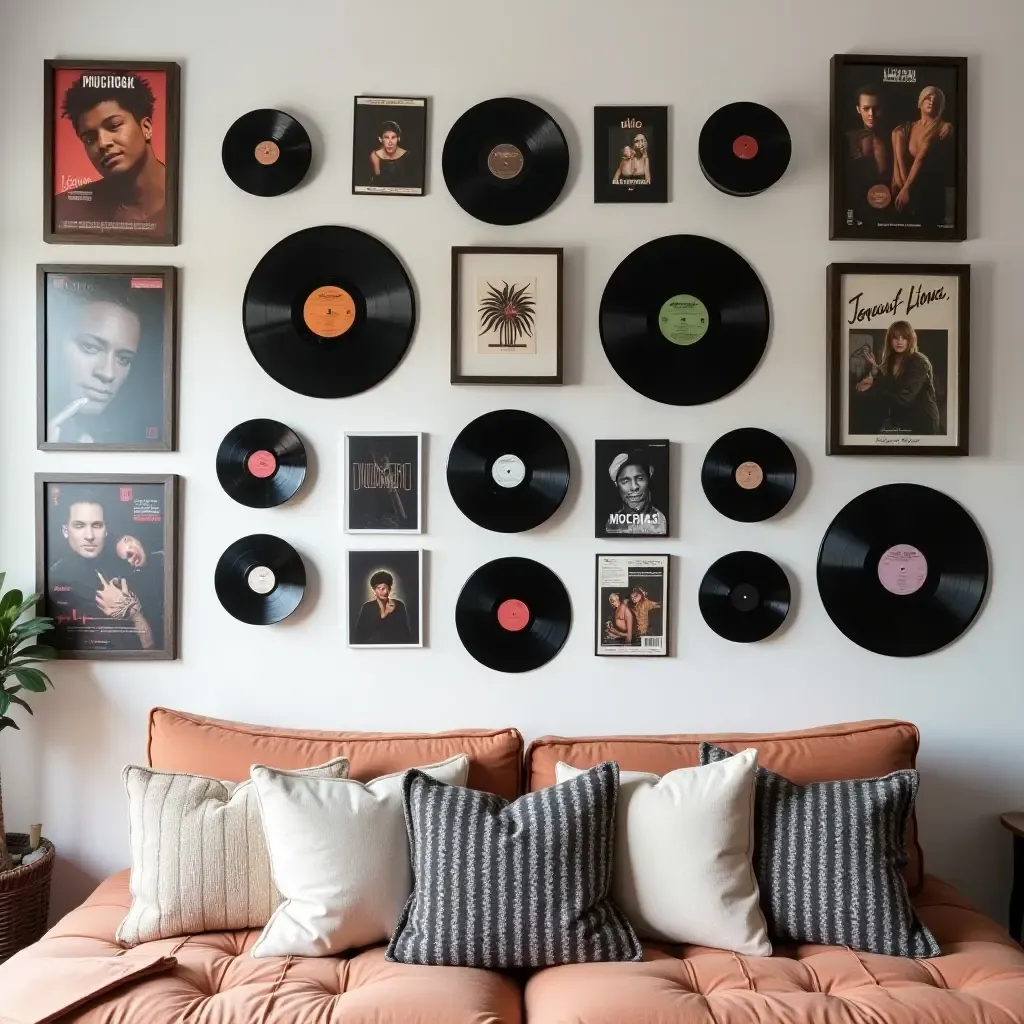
x=749 y=474
x=744 y=596
x=260 y=579
x=266 y=152
x=513 y=615
x=505 y=161
x=902 y=570
x=508 y=471
x=261 y=463
x=684 y=320
x=329 y=312
x=744 y=148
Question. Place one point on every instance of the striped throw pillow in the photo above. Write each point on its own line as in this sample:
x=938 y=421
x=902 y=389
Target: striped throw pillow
x=523 y=884
x=829 y=860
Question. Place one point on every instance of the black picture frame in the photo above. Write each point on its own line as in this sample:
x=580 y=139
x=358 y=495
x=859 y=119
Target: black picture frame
x=166 y=365
x=172 y=133
x=906 y=406
x=164 y=590
x=861 y=207
x=640 y=511
x=551 y=317
x=617 y=127
x=388 y=477
x=651 y=572
x=368 y=114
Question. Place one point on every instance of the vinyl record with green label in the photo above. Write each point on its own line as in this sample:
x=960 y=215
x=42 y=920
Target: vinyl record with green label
x=684 y=320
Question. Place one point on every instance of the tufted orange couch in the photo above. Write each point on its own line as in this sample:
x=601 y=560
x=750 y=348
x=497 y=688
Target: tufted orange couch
x=978 y=979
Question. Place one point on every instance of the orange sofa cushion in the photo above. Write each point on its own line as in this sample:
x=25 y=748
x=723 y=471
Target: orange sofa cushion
x=854 y=750
x=182 y=742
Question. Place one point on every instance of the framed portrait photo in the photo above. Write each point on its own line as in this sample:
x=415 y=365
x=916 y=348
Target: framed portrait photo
x=630 y=154
x=106 y=564
x=632 y=606
x=385 y=598
x=898 y=358
x=632 y=489
x=106 y=356
x=110 y=152
x=506 y=315
x=898 y=154
x=389 y=146
x=383 y=483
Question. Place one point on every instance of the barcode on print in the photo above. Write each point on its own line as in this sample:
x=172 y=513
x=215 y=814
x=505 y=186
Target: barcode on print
x=651 y=641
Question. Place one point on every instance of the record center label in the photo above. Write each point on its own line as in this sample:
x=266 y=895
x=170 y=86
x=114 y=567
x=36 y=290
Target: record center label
x=902 y=570
x=505 y=161
x=744 y=597
x=261 y=580
x=268 y=152
x=329 y=311
x=261 y=464
x=749 y=476
x=508 y=471
x=683 y=319
x=879 y=196
x=513 y=615
x=745 y=147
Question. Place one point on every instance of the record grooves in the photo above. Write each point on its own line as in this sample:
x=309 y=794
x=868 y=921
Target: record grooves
x=744 y=148
x=260 y=579
x=261 y=463
x=749 y=474
x=266 y=152
x=744 y=596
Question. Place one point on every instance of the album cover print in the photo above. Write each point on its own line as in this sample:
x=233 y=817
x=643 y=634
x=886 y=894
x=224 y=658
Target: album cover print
x=389 y=145
x=385 y=602
x=631 y=154
x=383 y=483
x=632 y=488
x=632 y=605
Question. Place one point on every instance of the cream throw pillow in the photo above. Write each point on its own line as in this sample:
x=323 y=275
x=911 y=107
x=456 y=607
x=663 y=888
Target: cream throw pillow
x=683 y=855
x=339 y=851
x=199 y=859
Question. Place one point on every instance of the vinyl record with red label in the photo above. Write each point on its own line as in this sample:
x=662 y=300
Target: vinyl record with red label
x=744 y=148
x=261 y=463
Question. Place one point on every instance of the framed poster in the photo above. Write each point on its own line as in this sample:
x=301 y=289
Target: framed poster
x=898 y=155
x=631 y=496
x=898 y=358
x=632 y=605
x=630 y=154
x=385 y=602
x=110 y=152
x=106 y=353
x=389 y=146
x=506 y=315
x=106 y=564
x=383 y=483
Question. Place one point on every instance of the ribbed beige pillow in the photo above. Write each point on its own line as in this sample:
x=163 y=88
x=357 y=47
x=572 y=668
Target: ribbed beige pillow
x=199 y=858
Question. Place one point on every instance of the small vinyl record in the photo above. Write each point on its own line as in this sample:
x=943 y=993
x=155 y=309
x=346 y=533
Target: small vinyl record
x=329 y=312
x=744 y=148
x=902 y=570
x=261 y=463
x=749 y=474
x=505 y=161
x=266 y=152
x=260 y=579
x=513 y=615
x=684 y=320
x=508 y=471
x=744 y=596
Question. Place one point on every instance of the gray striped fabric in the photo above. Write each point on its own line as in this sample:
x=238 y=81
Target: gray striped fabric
x=523 y=884
x=829 y=860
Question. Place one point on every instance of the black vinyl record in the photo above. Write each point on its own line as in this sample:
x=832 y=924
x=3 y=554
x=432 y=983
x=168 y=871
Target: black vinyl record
x=260 y=579
x=266 y=152
x=744 y=596
x=261 y=463
x=902 y=570
x=744 y=148
x=505 y=161
x=508 y=471
x=329 y=312
x=513 y=614
x=684 y=320
x=749 y=474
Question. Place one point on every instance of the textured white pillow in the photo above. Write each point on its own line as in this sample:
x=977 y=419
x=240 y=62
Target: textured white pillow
x=683 y=847
x=339 y=852
x=199 y=861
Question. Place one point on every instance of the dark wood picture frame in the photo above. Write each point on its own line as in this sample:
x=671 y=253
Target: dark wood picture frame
x=666 y=609
x=172 y=152
x=169 y=363
x=422 y=161
x=171 y=531
x=457 y=376
x=838 y=227
x=837 y=367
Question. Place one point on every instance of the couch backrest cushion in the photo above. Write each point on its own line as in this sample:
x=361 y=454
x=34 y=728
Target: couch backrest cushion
x=853 y=750
x=183 y=742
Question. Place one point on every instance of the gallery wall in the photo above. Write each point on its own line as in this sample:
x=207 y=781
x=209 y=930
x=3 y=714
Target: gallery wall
x=311 y=57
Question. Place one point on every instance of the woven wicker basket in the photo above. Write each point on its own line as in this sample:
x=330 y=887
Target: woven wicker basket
x=24 y=897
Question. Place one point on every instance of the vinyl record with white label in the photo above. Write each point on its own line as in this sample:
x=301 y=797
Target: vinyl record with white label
x=260 y=579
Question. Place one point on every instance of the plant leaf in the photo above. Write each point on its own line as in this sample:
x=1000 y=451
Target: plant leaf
x=12 y=599
x=32 y=679
x=37 y=652
x=32 y=627
x=5 y=701
x=9 y=723
x=18 y=700
x=3 y=576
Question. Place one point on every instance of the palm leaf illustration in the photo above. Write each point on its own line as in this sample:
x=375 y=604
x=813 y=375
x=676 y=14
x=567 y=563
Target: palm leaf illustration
x=508 y=311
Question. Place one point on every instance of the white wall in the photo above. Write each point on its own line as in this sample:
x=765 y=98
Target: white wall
x=311 y=57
